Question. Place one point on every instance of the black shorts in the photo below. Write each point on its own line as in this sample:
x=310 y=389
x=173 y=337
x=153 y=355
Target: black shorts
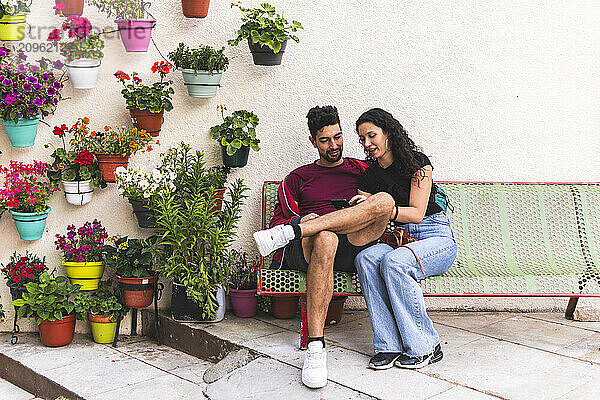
x=293 y=256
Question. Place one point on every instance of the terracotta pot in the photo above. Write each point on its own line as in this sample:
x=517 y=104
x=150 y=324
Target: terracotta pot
x=335 y=310
x=195 y=8
x=137 y=292
x=146 y=120
x=108 y=163
x=72 y=7
x=57 y=333
x=284 y=307
x=218 y=194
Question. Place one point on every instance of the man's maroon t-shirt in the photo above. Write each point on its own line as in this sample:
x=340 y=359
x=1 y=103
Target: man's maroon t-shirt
x=314 y=186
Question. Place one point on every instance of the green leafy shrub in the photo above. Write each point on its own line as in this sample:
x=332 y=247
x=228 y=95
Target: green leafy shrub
x=204 y=58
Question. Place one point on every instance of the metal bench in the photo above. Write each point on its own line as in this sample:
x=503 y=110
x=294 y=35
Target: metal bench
x=530 y=239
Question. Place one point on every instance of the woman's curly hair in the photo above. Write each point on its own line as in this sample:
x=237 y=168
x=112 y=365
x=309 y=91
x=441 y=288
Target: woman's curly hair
x=403 y=147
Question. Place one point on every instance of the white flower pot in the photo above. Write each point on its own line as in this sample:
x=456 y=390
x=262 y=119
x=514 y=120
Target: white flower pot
x=201 y=84
x=83 y=73
x=78 y=192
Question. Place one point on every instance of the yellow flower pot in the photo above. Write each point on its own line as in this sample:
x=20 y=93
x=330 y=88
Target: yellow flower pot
x=86 y=274
x=103 y=331
x=12 y=27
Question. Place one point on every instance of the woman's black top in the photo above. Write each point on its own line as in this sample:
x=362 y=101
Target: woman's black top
x=395 y=182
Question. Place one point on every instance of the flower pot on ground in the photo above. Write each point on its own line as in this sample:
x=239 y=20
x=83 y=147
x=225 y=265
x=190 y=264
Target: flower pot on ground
x=55 y=314
x=244 y=302
x=102 y=309
x=267 y=33
x=69 y=7
x=103 y=329
x=335 y=310
x=183 y=308
x=83 y=53
x=144 y=215
x=81 y=249
x=195 y=8
x=21 y=133
x=202 y=69
x=12 y=19
x=236 y=135
x=146 y=120
x=284 y=306
x=242 y=283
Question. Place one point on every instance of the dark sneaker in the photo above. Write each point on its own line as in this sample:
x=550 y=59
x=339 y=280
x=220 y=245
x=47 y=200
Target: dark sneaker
x=383 y=360
x=421 y=361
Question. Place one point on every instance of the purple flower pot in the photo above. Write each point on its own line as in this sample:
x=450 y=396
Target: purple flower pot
x=135 y=33
x=244 y=302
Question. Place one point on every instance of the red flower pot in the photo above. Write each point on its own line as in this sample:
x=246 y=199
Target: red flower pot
x=244 y=302
x=108 y=163
x=57 y=333
x=284 y=306
x=138 y=298
x=146 y=120
x=218 y=194
x=72 y=7
x=195 y=8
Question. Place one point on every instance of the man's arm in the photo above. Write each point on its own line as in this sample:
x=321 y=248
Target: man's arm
x=286 y=209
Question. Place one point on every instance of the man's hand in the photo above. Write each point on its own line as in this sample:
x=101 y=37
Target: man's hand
x=309 y=217
x=359 y=198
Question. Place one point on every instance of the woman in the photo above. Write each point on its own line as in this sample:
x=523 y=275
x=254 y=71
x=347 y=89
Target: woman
x=403 y=333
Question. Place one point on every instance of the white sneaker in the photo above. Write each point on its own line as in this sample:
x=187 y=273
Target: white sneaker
x=314 y=370
x=269 y=240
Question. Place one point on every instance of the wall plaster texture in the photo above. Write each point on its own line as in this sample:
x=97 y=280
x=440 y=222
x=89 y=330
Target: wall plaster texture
x=492 y=91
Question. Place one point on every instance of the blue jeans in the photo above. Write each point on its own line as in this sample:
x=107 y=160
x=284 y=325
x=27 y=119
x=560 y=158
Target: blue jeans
x=389 y=281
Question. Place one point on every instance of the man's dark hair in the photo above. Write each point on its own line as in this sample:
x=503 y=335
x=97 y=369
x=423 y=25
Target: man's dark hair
x=319 y=117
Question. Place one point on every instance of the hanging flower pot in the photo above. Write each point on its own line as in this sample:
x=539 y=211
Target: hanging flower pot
x=86 y=274
x=201 y=84
x=238 y=159
x=83 y=73
x=108 y=163
x=195 y=8
x=144 y=215
x=136 y=33
x=57 y=333
x=12 y=27
x=137 y=292
x=185 y=309
x=146 y=120
x=284 y=307
x=103 y=330
x=21 y=133
x=71 y=7
x=244 y=302
x=30 y=225
x=78 y=193
x=263 y=55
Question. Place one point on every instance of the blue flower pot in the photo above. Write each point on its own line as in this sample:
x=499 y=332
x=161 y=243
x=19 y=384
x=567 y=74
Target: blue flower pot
x=201 y=84
x=30 y=225
x=22 y=133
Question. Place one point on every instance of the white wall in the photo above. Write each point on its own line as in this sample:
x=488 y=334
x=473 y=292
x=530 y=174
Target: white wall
x=492 y=90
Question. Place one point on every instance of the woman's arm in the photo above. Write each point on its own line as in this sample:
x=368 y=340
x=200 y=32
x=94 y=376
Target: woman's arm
x=420 y=189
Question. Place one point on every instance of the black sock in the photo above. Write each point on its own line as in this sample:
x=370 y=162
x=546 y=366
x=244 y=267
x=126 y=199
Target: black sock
x=318 y=338
x=297 y=231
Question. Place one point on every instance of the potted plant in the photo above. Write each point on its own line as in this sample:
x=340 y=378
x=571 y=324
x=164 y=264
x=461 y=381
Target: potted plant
x=193 y=236
x=132 y=261
x=83 y=53
x=76 y=169
x=68 y=7
x=26 y=191
x=202 y=69
x=30 y=92
x=113 y=147
x=267 y=33
x=147 y=104
x=102 y=309
x=81 y=249
x=12 y=19
x=20 y=270
x=134 y=28
x=242 y=283
x=195 y=8
x=236 y=135
x=51 y=302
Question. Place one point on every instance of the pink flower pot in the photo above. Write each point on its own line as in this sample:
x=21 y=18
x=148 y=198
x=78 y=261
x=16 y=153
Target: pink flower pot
x=244 y=302
x=135 y=33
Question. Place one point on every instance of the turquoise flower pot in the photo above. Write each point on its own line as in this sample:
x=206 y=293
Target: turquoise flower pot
x=22 y=133
x=30 y=225
x=201 y=84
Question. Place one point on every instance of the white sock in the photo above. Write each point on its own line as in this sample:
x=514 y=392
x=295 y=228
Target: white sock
x=288 y=231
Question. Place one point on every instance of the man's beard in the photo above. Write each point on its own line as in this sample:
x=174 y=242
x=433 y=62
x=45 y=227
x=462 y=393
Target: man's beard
x=332 y=159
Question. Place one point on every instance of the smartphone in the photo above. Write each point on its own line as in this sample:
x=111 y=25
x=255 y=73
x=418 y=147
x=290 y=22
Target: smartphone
x=340 y=203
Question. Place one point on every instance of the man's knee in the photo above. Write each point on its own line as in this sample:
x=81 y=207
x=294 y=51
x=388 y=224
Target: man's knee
x=383 y=203
x=325 y=243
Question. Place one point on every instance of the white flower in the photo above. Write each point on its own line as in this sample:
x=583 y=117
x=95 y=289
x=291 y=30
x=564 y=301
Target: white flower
x=156 y=175
x=146 y=195
x=144 y=184
x=120 y=171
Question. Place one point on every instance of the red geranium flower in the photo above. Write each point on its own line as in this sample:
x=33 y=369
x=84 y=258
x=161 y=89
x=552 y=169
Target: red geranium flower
x=84 y=158
x=60 y=130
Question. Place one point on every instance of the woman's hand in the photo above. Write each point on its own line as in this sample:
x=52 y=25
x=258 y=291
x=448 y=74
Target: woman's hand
x=359 y=198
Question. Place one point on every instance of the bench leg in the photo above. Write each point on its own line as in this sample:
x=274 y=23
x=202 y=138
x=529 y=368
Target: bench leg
x=571 y=307
x=303 y=324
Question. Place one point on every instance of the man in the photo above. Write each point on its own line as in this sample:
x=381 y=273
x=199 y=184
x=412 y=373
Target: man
x=314 y=236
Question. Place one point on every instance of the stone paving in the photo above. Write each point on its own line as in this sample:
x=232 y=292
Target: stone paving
x=487 y=355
